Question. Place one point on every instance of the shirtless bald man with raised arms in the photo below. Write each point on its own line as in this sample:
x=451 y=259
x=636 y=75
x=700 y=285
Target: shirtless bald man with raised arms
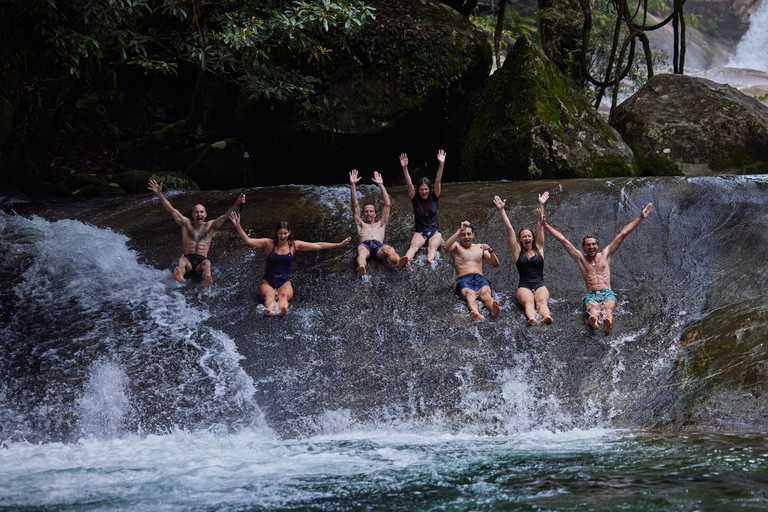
x=196 y=235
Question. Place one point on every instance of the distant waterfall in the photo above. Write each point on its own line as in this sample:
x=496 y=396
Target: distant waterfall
x=753 y=47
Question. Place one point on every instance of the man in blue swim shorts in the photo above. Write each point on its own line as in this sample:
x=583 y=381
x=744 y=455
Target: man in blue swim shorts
x=369 y=230
x=468 y=260
x=595 y=268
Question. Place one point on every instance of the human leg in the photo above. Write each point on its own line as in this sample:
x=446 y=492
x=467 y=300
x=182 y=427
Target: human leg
x=417 y=242
x=541 y=298
x=204 y=269
x=608 y=307
x=362 y=258
x=434 y=244
x=284 y=294
x=182 y=267
x=268 y=295
x=593 y=310
x=526 y=299
x=389 y=252
x=485 y=295
x=470 y=297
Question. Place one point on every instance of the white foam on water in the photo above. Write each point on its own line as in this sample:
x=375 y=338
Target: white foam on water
x=752 y=50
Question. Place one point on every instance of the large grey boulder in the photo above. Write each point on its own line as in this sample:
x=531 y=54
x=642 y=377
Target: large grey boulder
x=530 y=122
x=678 y=124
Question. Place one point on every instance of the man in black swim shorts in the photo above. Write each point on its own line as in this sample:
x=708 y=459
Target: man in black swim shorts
x=196 y=236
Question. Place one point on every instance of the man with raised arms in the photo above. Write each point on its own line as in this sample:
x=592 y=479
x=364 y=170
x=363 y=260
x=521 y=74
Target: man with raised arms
x=468 y=260
x=595 y=268
x=196 y=236
x=369 y=230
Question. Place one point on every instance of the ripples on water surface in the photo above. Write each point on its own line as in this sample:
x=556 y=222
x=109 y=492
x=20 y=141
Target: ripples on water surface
x=576 y=470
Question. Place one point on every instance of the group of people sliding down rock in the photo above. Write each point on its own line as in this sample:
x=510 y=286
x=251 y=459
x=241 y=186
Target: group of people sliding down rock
x=527 y=250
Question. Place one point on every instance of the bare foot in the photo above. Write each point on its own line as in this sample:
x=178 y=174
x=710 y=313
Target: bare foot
x=178 y=275
x=268 y=312
x=547 y=319
x=361 y=270
x=282 y=312
x=593 y=322
x=475 y=315
x=428 y=263
x=495 y=309
x=403 y=261
x=207 y=281
x=532 y=321
x=607 y=324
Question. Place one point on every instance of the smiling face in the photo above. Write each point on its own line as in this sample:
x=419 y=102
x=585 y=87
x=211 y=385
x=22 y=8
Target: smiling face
x=282 y=235
x=369 y=214
x=466 y=237
x=424 y=191
x=526 y=239
x=199 y=214
x=591 y=246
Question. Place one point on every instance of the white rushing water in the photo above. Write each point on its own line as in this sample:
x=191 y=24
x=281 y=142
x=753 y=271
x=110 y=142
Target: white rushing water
x=752 y=50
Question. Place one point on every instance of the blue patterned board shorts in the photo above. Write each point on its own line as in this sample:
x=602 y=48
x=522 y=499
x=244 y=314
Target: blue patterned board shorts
x=599 y=296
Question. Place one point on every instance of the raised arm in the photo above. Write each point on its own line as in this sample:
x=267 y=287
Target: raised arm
x=377 y=179
x=219 y=221
x=407 y=175
x=569 y=248
x=353 y=180
x=437 y=188
x=319 y=246
x=451 y=242
x=489 y=256
x=514 y=246
x=157 y=189
x=257 y=243
x=539 y=227
x=616 y=242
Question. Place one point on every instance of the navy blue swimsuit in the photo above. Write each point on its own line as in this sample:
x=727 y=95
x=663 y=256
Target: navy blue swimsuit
x=531 y=271
x=425 y=215
x=278 y=270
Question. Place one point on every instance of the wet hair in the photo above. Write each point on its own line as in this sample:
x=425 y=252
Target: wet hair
x=283 y=224
x=533 y=243
x=584 y=240
x=423 y=206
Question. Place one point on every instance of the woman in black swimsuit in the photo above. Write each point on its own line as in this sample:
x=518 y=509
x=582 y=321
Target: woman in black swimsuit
x=528 y=252
x=276 y=284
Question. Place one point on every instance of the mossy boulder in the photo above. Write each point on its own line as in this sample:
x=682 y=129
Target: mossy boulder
x=90 y=185
x=678 y=124
x=530 y=122
x=392 y=93
x=219 y=166
x=174 y=181
x=133 y=181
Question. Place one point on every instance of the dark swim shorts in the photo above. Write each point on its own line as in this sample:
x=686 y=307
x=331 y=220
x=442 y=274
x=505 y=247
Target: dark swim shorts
x=373 y=247
x=429 y=234
x=195 y=260
x=472 y=281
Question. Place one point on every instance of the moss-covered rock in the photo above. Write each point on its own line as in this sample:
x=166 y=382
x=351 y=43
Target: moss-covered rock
x=530 y=122
x=174 y=181
x=132 y=181
x=678 y=124
x=219 y=166
x=90 y=185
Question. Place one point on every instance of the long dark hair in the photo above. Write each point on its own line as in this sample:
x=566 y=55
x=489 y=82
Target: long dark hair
x=283 y=224
x=423 y=207
x=533 y=243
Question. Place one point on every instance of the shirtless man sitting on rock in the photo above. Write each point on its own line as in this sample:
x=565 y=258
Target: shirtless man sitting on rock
x=468 y=262
x=196 y=236
x=595 y=268
x=369 y=230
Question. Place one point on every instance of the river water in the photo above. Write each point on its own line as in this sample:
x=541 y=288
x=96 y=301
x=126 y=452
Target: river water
x=123 y=390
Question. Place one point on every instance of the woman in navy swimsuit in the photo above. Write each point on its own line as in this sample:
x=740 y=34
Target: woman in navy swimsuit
x=276 y=284
x=528 y=252
x=425 y=199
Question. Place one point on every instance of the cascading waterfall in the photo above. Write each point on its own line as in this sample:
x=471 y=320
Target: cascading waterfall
x=752 y=50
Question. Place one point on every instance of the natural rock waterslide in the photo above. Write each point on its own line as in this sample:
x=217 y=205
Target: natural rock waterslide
x=687 y=350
